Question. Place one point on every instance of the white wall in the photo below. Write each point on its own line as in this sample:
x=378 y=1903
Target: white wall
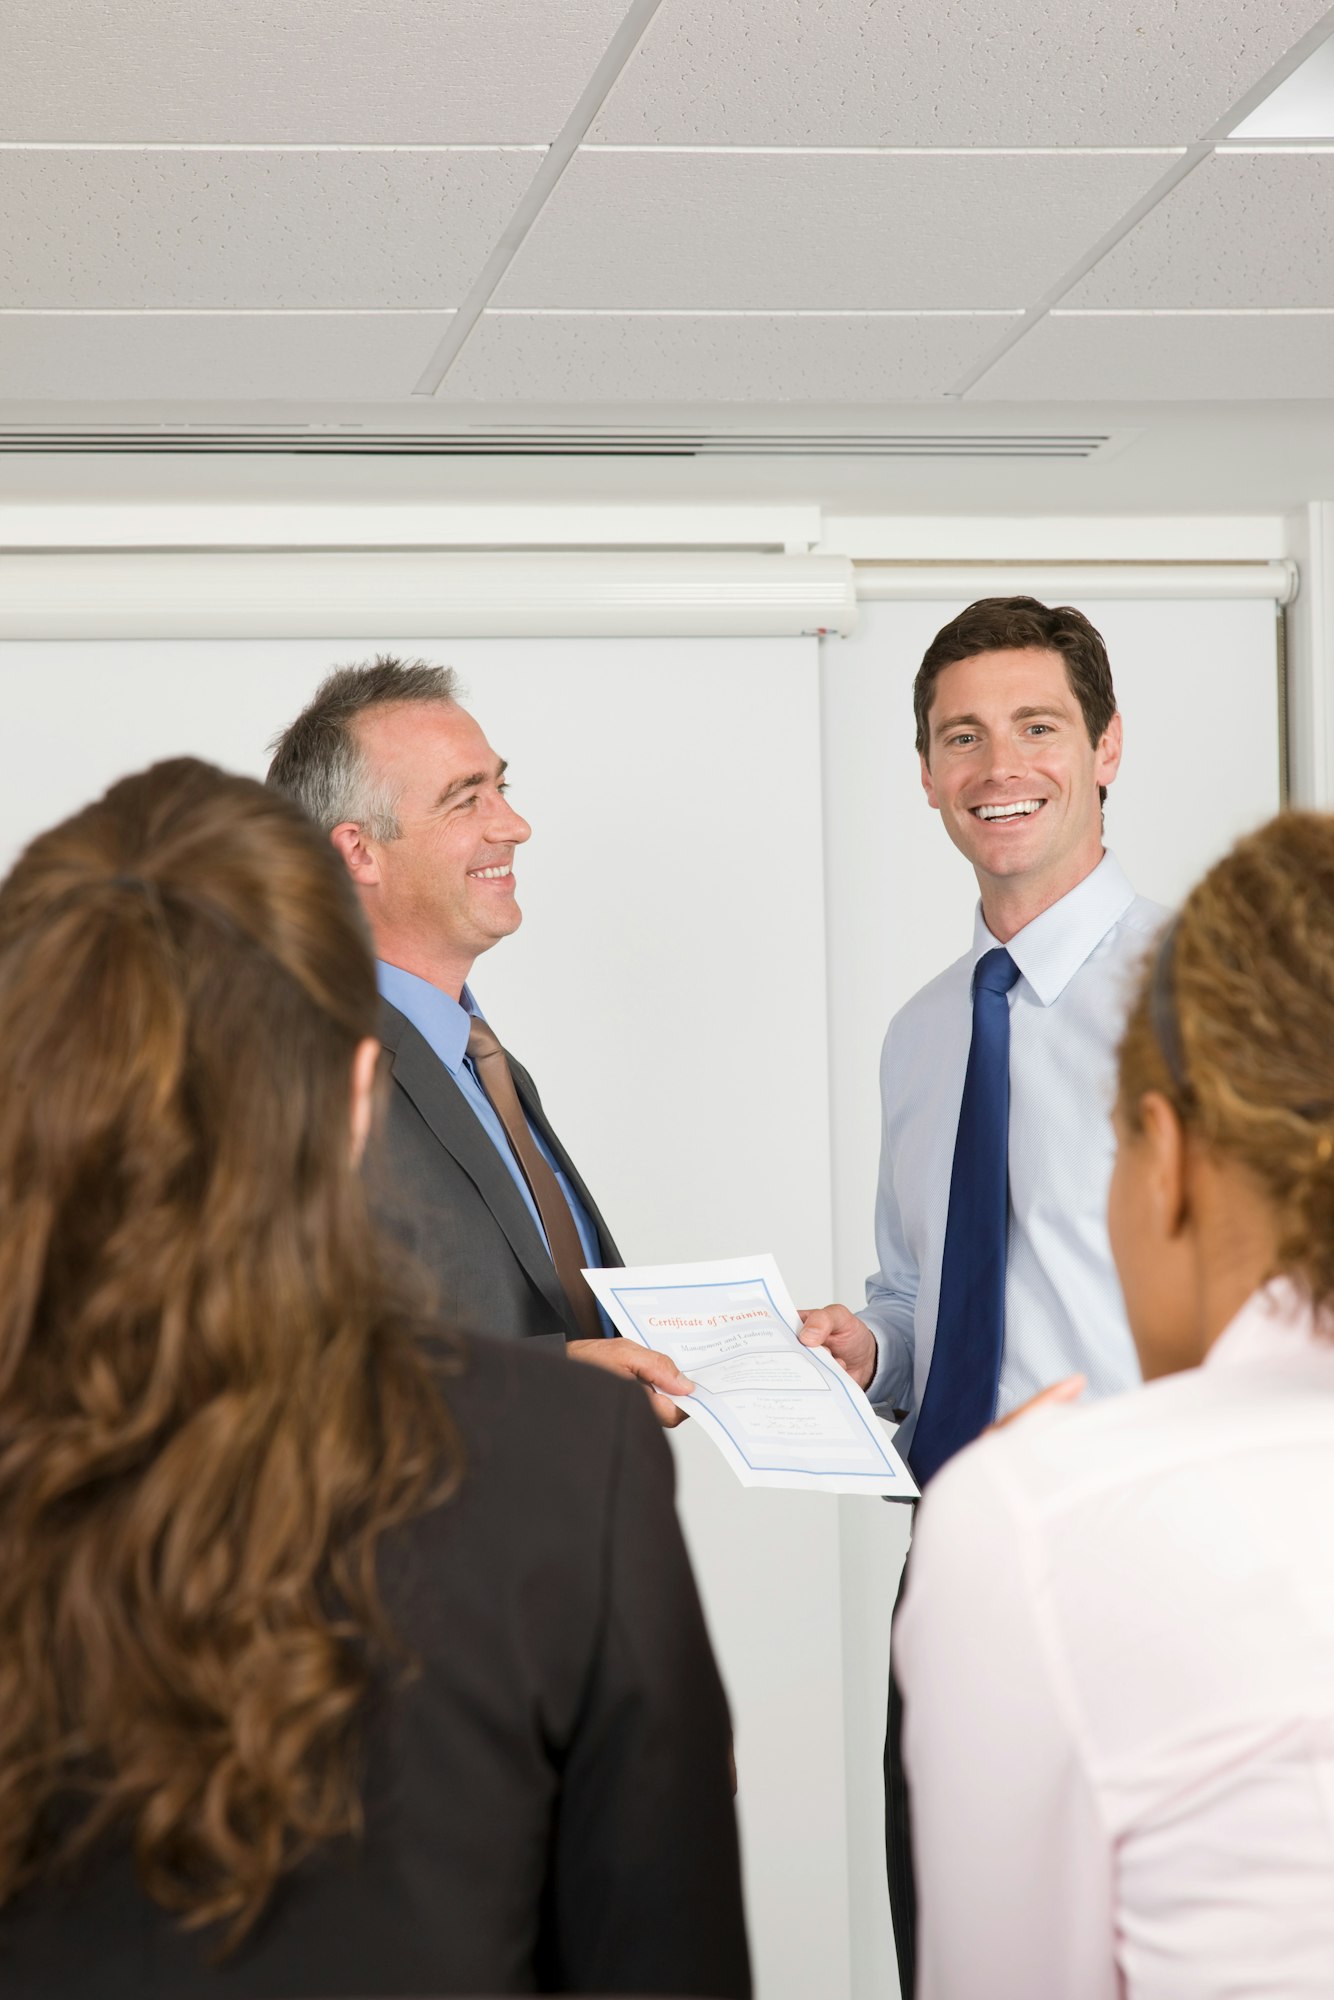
x=1310 y=628
x=1197 y=685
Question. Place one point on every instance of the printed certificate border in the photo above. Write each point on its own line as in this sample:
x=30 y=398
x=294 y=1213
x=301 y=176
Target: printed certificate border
x=862 y=1412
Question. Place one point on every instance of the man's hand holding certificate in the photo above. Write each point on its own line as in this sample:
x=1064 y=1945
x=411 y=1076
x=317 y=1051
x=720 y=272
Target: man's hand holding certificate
x=780 y=1413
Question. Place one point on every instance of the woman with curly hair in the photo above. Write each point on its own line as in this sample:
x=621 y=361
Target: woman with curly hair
x=336 y=1657
x=1118 y=1640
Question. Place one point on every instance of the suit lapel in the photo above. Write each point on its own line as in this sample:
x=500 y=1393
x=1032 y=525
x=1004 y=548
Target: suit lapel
x=421 y=1074
x=537 y=1117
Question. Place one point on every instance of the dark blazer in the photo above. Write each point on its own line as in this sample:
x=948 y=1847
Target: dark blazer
x=439 y=1185
x=547 y=1801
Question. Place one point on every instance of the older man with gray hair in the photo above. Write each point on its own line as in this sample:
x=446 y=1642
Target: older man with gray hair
x=467 y=1171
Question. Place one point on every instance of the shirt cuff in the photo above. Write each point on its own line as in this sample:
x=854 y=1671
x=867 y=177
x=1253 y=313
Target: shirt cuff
x=881 y=1392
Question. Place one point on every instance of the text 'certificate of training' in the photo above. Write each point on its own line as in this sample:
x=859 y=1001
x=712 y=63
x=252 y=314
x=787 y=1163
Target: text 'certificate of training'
x=780 y=1413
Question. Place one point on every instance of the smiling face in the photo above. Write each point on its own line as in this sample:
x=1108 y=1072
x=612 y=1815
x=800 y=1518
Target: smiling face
x=1011 y=771
x=443 y=892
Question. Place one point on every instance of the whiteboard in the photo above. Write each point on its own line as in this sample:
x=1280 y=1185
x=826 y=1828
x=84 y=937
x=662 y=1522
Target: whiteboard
x=674 y=793
x=1197 y=684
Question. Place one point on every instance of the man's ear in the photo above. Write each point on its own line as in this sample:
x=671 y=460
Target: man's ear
x=1107 y=756
x=927 y=785
x=1169 y=1155
x=362 y=866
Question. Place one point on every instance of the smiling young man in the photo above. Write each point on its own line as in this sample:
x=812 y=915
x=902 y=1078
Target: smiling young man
x=467 y=1171
x=995 y=1276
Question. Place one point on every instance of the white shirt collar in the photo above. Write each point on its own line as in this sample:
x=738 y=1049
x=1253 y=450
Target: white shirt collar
x=1050 y=950
x=1277 y=1320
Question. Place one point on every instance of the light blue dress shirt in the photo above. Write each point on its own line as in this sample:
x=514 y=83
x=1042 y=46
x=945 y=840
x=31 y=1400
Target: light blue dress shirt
x=1064 y=1313
x=443 y=1024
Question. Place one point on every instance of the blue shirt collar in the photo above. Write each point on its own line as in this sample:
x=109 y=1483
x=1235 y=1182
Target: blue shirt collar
x=1050 y=950
x=439 y=1019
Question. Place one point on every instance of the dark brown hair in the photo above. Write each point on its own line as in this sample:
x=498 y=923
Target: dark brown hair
x=212 y=1404
x=1233 y=1023
x=1012 y=624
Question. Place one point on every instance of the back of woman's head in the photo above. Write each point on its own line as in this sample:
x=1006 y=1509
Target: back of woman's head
x=210 y=1407
x=1234 y=1025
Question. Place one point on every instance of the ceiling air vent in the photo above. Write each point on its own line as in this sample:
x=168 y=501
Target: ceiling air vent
x=554 y=440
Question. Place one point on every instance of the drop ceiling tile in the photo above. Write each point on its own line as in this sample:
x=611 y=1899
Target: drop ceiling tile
x=1244 y=229
x=252 y=229
x=130 y=357
x=946 y=72
x=1225 y=357
x=656 y=230
x=401 y=71
x=622 y=358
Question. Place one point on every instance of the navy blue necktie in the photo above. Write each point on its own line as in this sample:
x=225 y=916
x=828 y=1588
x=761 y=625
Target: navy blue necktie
x=960 y=1398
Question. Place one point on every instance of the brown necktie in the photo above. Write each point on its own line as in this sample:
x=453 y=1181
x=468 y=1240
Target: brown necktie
x=567 y=1252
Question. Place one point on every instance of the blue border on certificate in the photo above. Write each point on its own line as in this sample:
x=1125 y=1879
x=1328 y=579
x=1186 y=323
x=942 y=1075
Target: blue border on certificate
x=623 y=1292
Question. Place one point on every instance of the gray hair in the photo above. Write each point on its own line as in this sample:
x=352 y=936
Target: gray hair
x=318 y=761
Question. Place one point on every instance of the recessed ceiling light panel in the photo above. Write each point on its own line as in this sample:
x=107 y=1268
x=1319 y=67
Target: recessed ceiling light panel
x=1303 y=105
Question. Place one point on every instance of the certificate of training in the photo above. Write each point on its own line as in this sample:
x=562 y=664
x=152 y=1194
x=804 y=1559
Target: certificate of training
x=780 y=1413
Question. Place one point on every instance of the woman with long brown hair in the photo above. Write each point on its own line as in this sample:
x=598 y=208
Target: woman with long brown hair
x=1117 y=1645
x=335 y=1657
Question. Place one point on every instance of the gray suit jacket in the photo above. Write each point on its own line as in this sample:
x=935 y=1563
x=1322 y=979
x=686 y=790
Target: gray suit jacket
x=441 y=1188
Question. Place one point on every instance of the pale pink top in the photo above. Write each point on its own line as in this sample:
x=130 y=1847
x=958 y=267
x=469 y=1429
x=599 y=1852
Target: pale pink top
x=1117 y=1657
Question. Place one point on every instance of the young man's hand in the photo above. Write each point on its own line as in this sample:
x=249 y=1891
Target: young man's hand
x=849 y=1340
